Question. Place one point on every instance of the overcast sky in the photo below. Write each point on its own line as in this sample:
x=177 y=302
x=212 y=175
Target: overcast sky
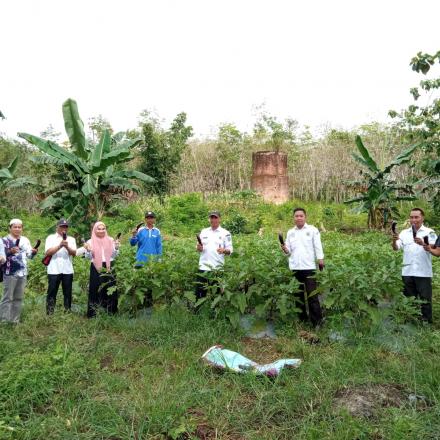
x=341 y=63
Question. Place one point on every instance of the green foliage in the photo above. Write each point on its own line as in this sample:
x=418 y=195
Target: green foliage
x=256 y=279
x=161 y=151
x=379 y=191
x=421 y=124
x=91 y=176
x=362 y=275
x=8 y=180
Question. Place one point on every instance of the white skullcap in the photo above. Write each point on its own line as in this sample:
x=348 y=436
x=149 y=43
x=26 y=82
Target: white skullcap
x=15 y=221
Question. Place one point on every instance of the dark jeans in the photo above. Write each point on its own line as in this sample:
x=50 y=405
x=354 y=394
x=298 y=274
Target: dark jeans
x=203 y=283
x=308 y=284
x=421 y=288
x=53 y=285
x=99 y=284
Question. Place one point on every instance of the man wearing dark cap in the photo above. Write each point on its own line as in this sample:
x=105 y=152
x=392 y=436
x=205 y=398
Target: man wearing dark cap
x=59 y=248
x=215 y=243
x=148 y=240
x=149 y=243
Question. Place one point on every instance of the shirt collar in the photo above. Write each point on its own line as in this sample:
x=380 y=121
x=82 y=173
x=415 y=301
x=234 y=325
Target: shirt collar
x=422 y=228
x=304 y=227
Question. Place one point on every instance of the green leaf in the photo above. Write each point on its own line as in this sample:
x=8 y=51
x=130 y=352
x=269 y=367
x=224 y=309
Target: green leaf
x=5 y=173
x=75 y=128
x=371 y=164
x=103 y=145
x=54 y=150
x=120 y=182
x=402 y=158
x=133 y=174
x=89 y=185
x=216 y=300
x=13 y=166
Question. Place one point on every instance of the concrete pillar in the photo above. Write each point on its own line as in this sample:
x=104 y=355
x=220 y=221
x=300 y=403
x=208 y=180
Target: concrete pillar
x=269 y=176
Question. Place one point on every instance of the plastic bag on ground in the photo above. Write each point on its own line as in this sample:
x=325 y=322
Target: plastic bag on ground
x=219 y=357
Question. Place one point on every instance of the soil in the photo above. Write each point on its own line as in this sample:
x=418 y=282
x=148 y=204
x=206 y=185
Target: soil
x=366 y=400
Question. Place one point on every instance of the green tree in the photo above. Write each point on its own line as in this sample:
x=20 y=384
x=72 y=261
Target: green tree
x=161 y=151
x=91 y=174
x=8 y=180
x=421 y=123
x=379 y=191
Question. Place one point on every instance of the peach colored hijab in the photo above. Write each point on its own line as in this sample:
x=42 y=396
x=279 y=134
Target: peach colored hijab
x=98 y=245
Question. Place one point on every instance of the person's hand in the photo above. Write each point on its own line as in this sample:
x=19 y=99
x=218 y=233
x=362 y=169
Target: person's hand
x=117 y=244
x=14 y=250
x=199 y=247
x=321 y=265
x=221 y=250
x=64 y=244
x=427 y=247
x=34 y=251
x=419 y=241
x=284 y=248
x=395 y=237
x=87 y=247
x=134 y=232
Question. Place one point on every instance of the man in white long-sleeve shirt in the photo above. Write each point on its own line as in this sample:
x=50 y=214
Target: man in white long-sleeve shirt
x=417 y=261
x=303 y=246
x=215 y=243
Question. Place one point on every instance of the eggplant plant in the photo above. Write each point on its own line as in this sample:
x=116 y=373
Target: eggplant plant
x=379 y=191
x=92 y=174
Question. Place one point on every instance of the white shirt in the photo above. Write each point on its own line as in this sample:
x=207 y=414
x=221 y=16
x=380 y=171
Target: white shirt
x=304 y=246
x=416 y=261
x=61 y=262
x=212 y=239
x=2 y=252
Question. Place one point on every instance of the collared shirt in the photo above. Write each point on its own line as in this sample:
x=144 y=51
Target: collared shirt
x=212 y=239
x=2 y=252
x=16 y=265
x=416 y=261
x=304 y=246
x=149 y=242
x=61 y=261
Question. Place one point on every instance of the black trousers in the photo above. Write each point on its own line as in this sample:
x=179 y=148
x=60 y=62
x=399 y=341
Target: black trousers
x=421 y=288
x=203 y=283
x=53 y=285
x=98 y=287
x=308 y=284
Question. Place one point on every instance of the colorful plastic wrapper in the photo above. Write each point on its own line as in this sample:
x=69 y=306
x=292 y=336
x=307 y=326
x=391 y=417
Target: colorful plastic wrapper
x=221 y=358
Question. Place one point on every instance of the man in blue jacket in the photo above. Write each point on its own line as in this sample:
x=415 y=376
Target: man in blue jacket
x=148 y=240
x=149 y=243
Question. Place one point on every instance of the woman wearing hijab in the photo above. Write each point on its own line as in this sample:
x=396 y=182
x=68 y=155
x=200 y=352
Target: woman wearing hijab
x=101 y=250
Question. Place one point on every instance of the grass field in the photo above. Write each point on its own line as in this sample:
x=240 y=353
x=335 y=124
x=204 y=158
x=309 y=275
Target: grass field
x=118 y=378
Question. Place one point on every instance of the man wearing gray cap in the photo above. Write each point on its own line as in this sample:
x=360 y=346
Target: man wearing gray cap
x=213 y=244
x=60 y=248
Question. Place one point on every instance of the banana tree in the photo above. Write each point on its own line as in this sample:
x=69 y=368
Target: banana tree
x=8 y=181
x=92 y=174
x=379 y=192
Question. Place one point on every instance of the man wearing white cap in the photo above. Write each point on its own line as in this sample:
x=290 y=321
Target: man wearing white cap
x=18 y=250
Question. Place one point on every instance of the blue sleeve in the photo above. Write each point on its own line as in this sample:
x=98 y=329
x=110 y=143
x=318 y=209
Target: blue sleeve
x=159 y=244
x=137 y=239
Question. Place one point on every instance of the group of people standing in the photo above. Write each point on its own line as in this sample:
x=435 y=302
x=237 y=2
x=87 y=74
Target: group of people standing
x=302 y=246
